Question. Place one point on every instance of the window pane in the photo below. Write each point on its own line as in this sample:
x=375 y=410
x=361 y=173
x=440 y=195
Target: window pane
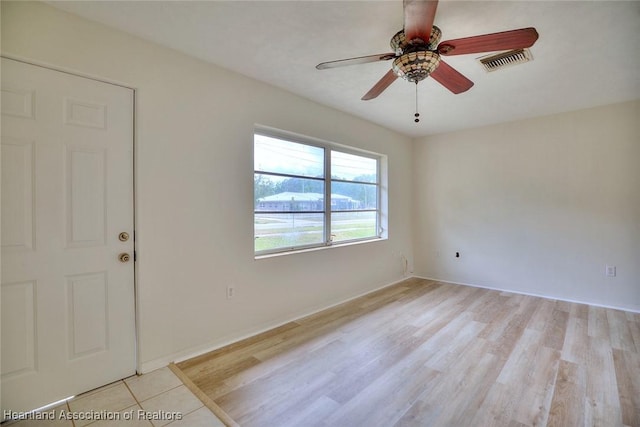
x=353 y=225
x=284 y=231
x=287 y=194
x=278 y=156
x=349 y=167
x=346 y=196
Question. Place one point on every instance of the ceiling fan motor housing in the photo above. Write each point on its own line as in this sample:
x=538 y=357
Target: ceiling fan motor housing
x=399 y=42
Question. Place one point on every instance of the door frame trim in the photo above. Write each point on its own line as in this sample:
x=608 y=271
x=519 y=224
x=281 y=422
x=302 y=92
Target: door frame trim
x=134 y=153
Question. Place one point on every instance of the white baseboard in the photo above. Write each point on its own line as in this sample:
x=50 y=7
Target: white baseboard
x=177 y=357
x=531 y=294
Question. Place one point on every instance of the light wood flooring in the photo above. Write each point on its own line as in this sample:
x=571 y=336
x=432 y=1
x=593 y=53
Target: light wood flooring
x=423 y=353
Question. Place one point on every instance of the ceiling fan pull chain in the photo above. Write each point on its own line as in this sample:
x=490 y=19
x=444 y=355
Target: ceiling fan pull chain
x=417 y=114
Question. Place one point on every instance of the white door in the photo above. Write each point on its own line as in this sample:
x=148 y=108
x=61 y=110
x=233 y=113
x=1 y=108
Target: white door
x=68 y=320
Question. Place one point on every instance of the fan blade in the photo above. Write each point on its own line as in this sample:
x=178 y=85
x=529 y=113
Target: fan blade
x=418 y=19
x=379 y=87
x=355 y=61
x=448 y=77
x=506 y=40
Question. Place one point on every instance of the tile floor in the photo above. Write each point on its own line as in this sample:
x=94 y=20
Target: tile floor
x=156 y=394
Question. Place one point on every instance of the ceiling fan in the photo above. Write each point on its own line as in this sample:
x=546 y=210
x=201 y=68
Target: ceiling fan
x=417 y=50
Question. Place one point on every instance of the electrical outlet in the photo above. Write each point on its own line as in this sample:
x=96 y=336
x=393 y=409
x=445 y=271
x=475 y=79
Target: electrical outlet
x=610 y=271
x=231 y=291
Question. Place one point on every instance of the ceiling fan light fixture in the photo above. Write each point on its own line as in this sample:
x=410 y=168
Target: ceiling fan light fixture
x=434 y=39
x=416 y=66
x=398 y=42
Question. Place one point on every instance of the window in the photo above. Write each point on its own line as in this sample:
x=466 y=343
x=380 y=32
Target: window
x=311 y=194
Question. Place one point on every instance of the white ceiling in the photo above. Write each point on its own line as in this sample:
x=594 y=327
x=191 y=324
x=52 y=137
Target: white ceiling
x=588 y=53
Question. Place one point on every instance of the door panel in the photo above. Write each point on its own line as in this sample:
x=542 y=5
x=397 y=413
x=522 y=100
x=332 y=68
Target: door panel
x=17 y=194
x=68 y=320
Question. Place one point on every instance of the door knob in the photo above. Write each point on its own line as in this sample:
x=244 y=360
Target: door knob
x=123 y=237
x=124 y=257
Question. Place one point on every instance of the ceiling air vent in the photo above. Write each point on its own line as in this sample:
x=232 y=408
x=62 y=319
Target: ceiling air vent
x=505 y=59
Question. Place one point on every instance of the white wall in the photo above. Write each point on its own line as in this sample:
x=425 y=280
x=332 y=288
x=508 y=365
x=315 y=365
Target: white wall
x=537 y=206
x=194 y=141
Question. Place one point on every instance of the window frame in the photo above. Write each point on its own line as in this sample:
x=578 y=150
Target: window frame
x=327 y=211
